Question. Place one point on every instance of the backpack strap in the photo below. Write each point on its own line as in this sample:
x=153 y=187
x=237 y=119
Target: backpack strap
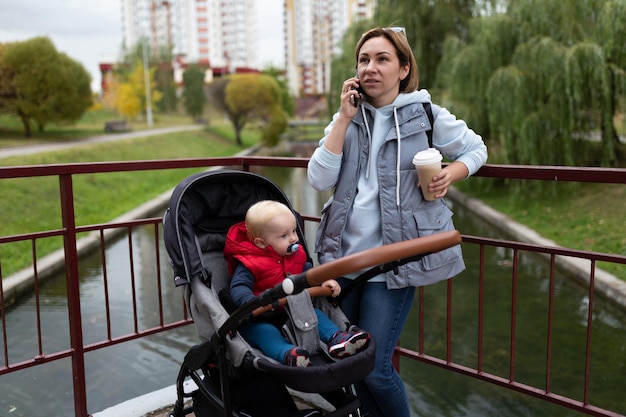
x=429 y=132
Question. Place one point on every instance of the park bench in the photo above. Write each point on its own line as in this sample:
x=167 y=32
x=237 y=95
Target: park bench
x=116 y=126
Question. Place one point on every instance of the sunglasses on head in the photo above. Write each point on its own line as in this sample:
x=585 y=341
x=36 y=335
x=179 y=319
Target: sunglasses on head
x=396 y=29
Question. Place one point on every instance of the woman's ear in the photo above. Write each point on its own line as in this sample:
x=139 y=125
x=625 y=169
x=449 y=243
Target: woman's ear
x=404 y=72
x=260 y=243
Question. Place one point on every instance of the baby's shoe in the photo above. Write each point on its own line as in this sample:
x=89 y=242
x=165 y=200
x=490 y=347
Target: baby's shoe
x=297 y=356
x=344 y=344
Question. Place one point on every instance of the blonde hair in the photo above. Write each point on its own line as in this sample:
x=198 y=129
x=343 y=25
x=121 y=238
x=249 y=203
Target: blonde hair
x=262 y=212
x=403 y=51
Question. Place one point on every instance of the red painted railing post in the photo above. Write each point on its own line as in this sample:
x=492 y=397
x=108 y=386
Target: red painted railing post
x=73 y=296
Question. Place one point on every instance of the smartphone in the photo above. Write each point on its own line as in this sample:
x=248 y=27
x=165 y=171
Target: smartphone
x=355 y=100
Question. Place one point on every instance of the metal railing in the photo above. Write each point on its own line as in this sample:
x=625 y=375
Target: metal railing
x=70 y=233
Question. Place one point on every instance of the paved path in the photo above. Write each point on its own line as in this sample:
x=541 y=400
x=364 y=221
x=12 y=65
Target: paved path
x=47 y=147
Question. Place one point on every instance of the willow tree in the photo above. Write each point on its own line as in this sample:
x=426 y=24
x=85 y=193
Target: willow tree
x=541 y=77
x=611 y=30
x=427 y=23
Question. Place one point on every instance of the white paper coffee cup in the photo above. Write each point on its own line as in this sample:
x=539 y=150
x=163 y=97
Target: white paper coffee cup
x=428 y=164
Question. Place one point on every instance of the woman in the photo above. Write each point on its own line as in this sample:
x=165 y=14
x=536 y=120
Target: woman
x=366 y=157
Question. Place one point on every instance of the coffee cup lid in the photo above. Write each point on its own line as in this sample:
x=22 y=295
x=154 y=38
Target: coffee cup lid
x=429 y=156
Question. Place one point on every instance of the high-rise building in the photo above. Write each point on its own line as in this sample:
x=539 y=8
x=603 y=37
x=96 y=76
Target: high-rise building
x=223 y=35
x=314 y=29
x=220 y=34
x=159 y=22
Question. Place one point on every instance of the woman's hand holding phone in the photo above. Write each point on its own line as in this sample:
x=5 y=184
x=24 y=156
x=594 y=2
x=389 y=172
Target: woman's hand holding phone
x=350 y=92
x=355 y=98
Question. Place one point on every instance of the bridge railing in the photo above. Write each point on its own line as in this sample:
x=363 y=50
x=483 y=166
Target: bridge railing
x=70 y=232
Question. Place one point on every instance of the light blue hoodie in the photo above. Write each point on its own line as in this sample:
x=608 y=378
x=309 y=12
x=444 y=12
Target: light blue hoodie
x=363 y=228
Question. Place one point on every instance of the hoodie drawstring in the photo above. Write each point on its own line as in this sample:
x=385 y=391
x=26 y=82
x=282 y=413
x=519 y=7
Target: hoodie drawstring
x=395 y=119
x=398 y=156
x=369 y=139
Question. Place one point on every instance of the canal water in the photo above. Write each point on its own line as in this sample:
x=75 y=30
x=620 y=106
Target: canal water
x=130 y=369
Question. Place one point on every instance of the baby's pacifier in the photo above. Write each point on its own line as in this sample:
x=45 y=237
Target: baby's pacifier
x=293 y=248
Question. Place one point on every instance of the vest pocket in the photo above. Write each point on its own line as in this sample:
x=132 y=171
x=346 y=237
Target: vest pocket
x=434 y=220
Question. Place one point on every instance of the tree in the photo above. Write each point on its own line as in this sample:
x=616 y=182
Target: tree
x=131 y=93
x=248 y=97
x=160 y=64
x=344 y=65
x=540 y=77
x=164 y=82
x=426 y=22
x=109 y=96
x=7 y=91
x=193 y=92
x=127 y=100
x=42 y=85
x=71 y=97
x=286 y=100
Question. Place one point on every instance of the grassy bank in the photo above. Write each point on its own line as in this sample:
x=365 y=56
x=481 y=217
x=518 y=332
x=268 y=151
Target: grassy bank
x=587 y=217
x=32 y=204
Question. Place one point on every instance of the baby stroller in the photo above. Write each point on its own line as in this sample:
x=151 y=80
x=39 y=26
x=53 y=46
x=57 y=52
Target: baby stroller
x=232 y=377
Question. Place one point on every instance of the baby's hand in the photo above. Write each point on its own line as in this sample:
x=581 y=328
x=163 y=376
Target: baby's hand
x=333 y=285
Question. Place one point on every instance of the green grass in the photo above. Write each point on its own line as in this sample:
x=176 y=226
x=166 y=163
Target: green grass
x=32 y=204
x=307 y=132
x=586 y=217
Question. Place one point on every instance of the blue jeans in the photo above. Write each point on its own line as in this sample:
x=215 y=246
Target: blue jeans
x=382 y=313
x=267 y=337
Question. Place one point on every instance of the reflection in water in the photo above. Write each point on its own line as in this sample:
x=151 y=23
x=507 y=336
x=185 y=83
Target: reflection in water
x=114 y=374
x=133 y=368
x=436 y=392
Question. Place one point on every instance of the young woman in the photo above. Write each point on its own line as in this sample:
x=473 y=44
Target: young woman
x=366 y=158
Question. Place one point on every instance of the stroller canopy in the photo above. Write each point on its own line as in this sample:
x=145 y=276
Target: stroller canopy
x=205 y=205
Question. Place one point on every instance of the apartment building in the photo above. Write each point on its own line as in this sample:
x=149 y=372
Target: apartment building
x=220 y=34
x=223 y=35
x=314 y=29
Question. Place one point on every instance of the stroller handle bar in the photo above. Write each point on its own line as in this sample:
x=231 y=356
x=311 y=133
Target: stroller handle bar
x=369 y=258
x=315 y=276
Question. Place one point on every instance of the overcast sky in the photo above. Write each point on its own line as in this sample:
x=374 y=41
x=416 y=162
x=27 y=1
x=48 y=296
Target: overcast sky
x=89 y=31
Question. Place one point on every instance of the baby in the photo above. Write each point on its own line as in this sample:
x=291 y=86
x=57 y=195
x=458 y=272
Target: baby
x=261 y=252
